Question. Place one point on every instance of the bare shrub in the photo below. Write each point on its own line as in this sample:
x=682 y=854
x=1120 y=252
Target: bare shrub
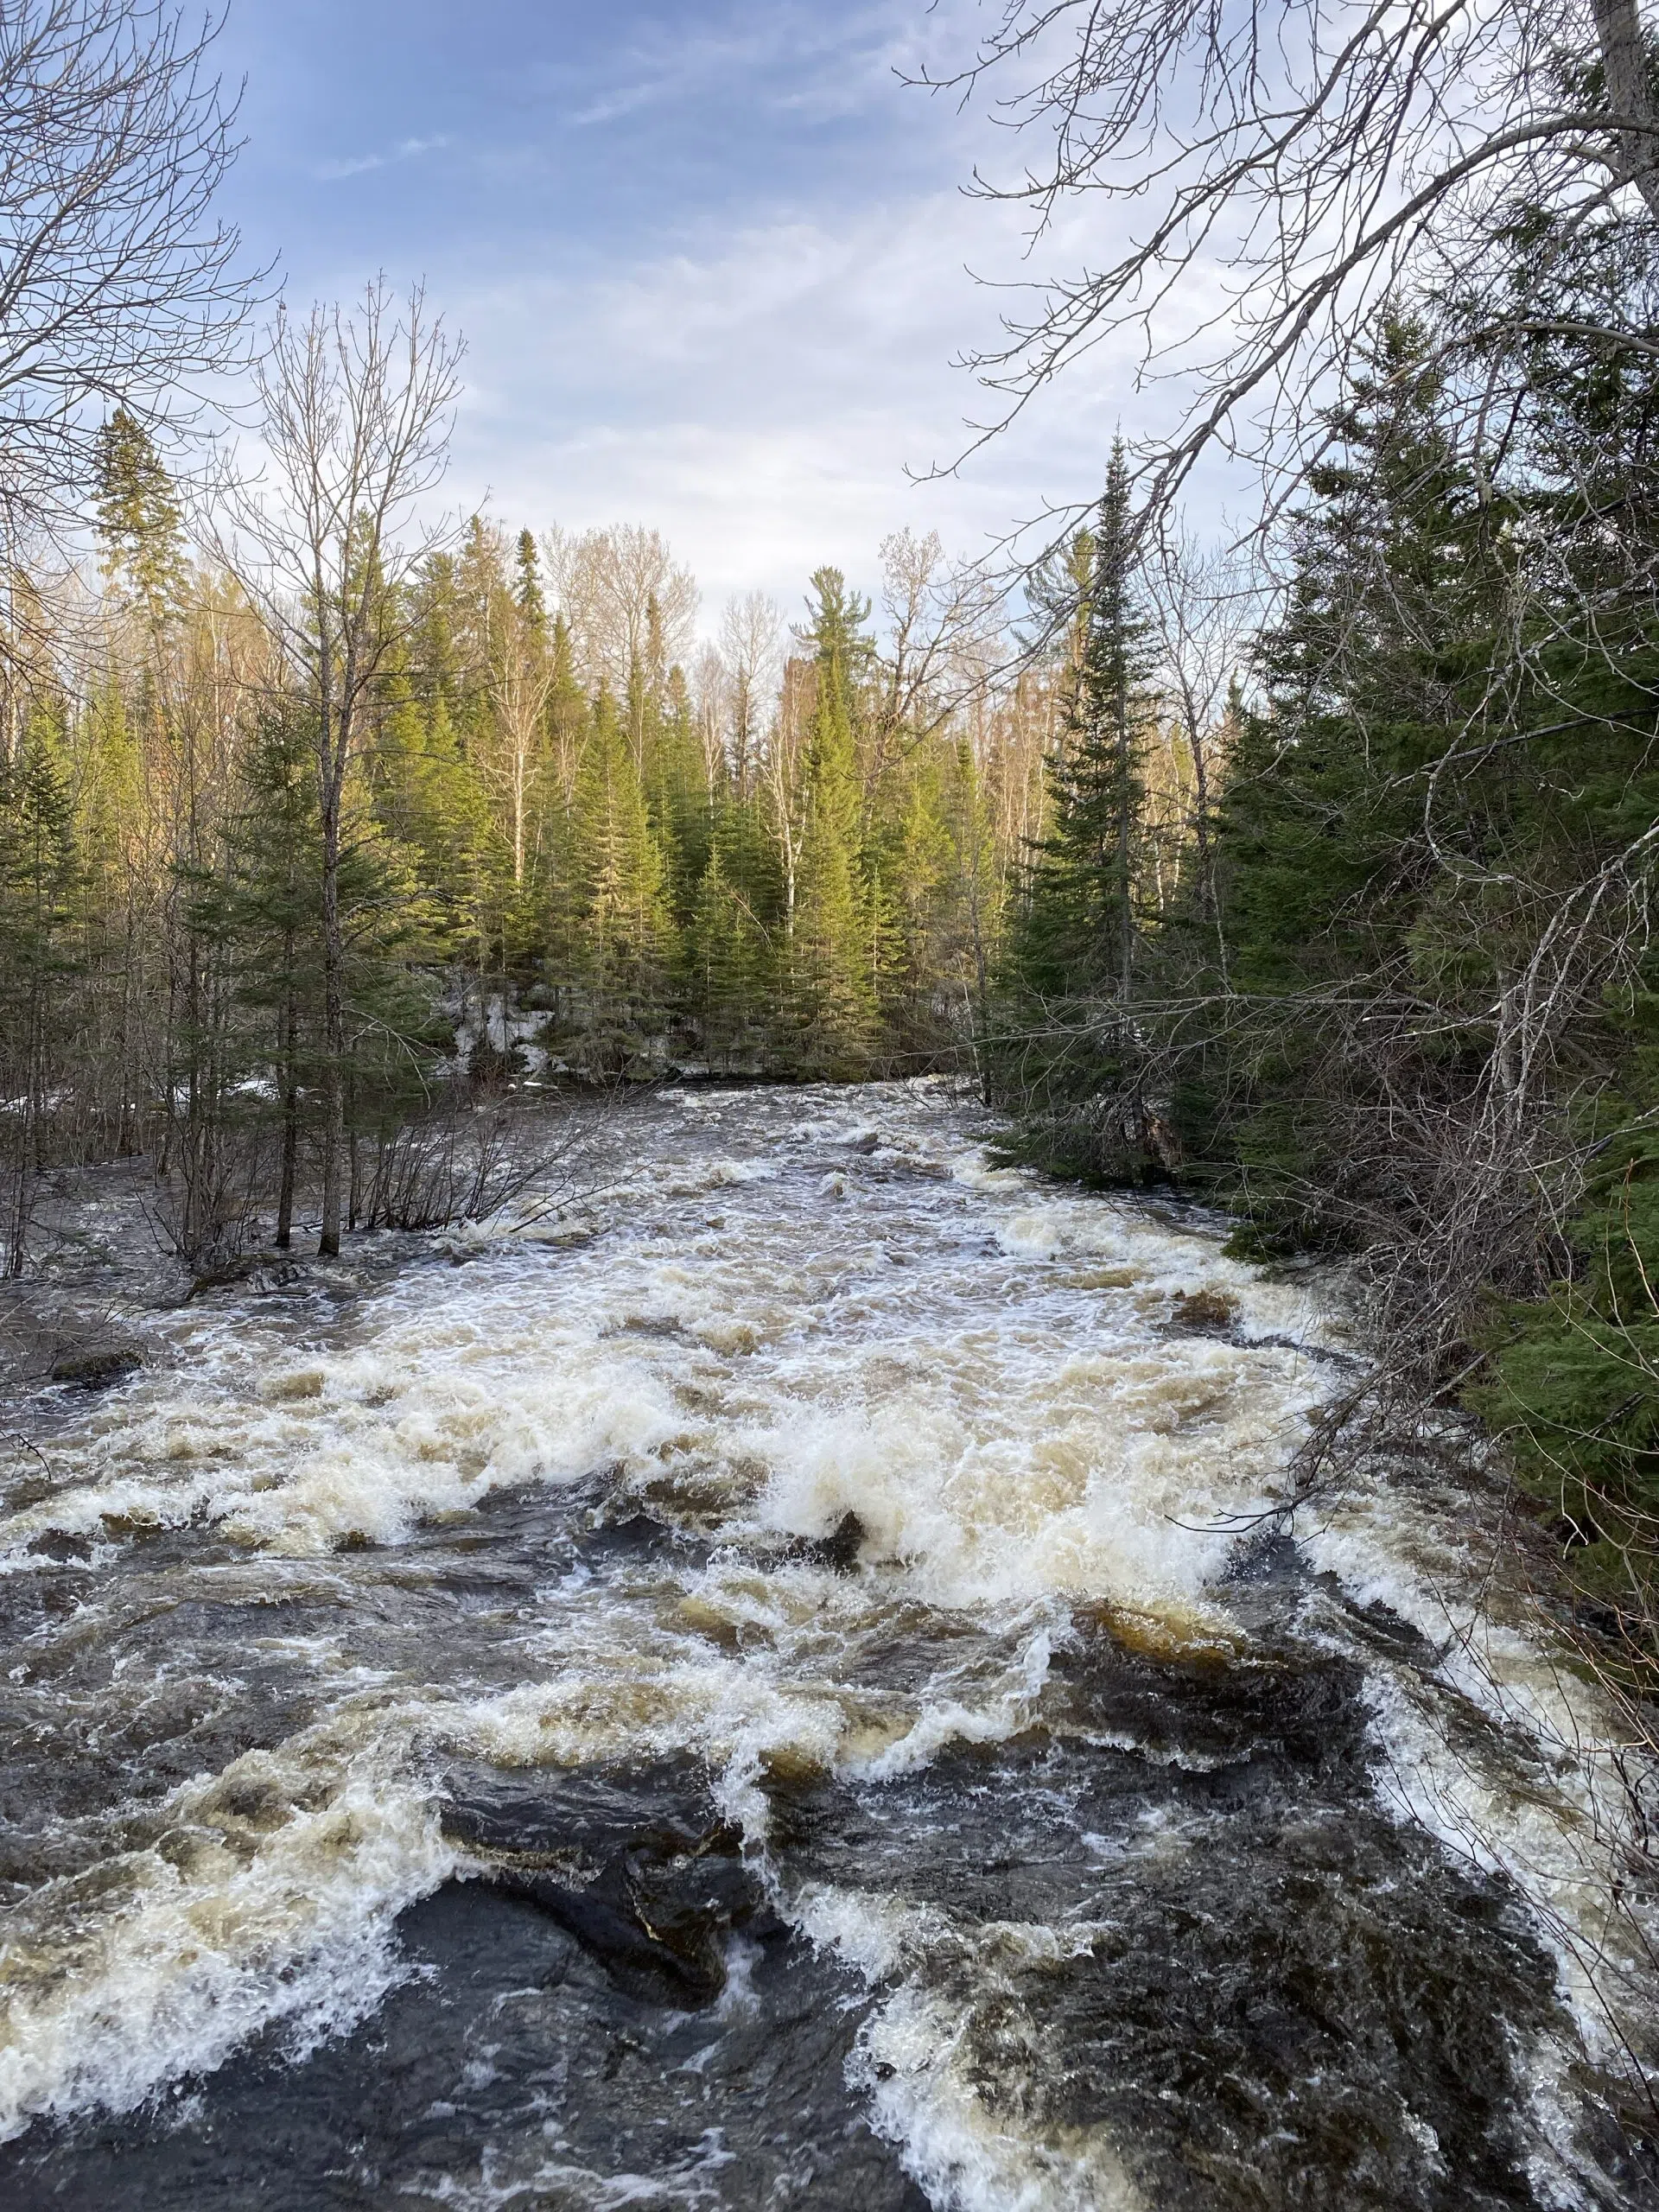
x=471 y=1161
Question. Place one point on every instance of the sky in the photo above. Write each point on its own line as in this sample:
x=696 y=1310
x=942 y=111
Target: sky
x=713 y=263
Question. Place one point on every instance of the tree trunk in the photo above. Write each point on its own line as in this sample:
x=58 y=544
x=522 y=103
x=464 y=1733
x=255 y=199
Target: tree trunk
x=1625 y=64
x=290 y=1140
x=1125 y=827
x=334 y=1013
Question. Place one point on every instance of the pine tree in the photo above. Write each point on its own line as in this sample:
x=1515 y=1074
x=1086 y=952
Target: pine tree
x=527 y=582
x=1328 y=887
x=427 y=796
x=110 y=833
x=728 y=965
x=38 y=880
x=139 y=526
x=1076 y=937
x=268 y=906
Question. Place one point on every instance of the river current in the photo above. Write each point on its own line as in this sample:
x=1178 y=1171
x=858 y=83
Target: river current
x=775 y=1683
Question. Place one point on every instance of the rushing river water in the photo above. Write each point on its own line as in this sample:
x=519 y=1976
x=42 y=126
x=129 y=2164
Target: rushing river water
x=764 y=1692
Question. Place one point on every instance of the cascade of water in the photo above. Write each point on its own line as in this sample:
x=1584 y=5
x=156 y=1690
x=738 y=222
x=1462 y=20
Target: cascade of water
x=755 y=1692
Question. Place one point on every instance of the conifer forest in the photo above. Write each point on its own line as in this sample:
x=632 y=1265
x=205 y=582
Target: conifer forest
x=571 y=844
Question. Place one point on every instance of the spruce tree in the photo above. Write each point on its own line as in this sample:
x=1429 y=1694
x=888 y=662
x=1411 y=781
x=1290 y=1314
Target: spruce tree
x=1063 y=1047
x=1330 y=893
x=139 y=526
x=624 y=934
x=527 y=581
x=38 y=881
x=831 y=952
x=1076 y=936
x=728 y=965
x=427 y=798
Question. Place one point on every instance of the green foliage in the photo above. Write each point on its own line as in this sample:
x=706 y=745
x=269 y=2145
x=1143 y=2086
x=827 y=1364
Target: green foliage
x=831 y=1009
x=624 y=942
x=1573 y=1384
x=428 y=800
x=1413 y=989
x=1061 y=1044
x=139 y=527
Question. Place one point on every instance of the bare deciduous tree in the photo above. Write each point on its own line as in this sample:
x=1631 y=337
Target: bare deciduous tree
x=118 y=283
x=611 y=586
x=354 y=417
x=938 y=615
x=1287 y=168
x=751 y=636
x=521 y=680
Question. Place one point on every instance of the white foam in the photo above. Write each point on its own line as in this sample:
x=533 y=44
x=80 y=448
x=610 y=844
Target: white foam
x=1541 y=1801
x=1008 y=1415
x=176 y=1965
x=913 y=2064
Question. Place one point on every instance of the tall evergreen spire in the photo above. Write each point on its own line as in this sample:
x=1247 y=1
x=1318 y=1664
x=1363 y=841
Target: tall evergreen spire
x=1078 y=936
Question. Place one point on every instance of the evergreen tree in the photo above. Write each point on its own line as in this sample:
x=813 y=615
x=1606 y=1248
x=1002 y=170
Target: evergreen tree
x=1076 y=937
x=728 y=965
x=831 y=954
x=268 y=903
x=1062 y=1046
x=1329 y=892
x=38 y=882
x=427 y=798
x=623 y=933
x=139 y=526
x=527 y=581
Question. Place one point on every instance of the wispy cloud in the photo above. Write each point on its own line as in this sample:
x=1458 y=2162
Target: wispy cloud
x=851 y=53
x=610 y=107
x=760 y=393
x=406 y=150
x=712 y=262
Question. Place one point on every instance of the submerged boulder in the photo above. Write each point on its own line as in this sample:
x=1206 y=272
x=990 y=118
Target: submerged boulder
x=634 y=1861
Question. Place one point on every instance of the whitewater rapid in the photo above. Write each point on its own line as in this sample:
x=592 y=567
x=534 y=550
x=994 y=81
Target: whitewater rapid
x=918 y=1514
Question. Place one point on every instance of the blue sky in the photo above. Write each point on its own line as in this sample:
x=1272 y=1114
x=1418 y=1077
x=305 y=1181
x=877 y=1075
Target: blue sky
x=708 y=260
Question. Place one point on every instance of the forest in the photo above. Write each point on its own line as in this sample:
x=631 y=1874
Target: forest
x=1393 y=1001
x=571 y=845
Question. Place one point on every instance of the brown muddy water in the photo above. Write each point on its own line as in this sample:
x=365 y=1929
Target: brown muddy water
x=765 y=1687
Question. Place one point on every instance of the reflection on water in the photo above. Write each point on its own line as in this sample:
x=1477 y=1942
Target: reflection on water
x=756 y=1694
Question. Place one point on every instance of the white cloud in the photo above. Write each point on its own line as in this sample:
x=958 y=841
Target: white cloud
x=790 y=55
x=756 y=383
x=610 y=107
x=762 y=399
x=358 y=165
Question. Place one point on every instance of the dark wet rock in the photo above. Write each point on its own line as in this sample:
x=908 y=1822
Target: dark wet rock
x=671 y=1957
x=634 y=1862
x=63 y=1545
x=97 y=1369
x=839 y=1550
x=1276 y=1969
x=663 y=1806
x=1203 y=1313
x=620 y=1533
x=508 y=2033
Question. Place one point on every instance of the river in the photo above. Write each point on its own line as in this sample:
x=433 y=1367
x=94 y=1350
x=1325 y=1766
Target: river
x=768 y=1685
